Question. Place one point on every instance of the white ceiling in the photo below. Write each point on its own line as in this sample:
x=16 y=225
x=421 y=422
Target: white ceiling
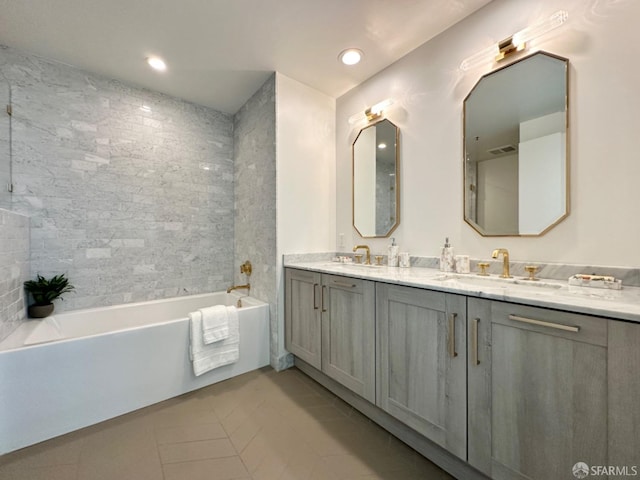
x=219 y=52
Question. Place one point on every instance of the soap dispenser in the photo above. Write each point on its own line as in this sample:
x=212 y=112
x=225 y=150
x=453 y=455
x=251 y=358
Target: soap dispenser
x=447 y=260
x=392 y=257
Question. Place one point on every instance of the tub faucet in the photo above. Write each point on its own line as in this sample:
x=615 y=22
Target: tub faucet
x=238 y=287
x=366 y=248
x=505 y=261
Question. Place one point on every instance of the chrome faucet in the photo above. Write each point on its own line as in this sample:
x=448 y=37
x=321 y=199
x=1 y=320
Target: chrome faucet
x=366 y=248
x=505 y=261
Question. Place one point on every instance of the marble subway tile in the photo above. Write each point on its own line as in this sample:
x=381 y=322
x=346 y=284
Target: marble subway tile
x=14 y=270
x=112 y=188
x=255 y=200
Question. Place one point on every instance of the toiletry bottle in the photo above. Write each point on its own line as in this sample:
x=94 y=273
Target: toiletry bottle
x=392 y=258
x=447 y=260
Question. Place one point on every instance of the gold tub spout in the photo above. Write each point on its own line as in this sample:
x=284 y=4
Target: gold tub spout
x=238 y=287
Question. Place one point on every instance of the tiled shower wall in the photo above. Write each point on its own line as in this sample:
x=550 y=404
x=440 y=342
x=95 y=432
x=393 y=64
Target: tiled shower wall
x=14 y=269
x=255 y=198
x=130 y=192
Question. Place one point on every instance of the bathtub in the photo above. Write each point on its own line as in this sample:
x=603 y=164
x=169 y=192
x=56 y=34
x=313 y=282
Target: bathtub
x=79 y=368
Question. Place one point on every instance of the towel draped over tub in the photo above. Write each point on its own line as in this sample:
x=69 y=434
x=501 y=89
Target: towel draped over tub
x=218 y=353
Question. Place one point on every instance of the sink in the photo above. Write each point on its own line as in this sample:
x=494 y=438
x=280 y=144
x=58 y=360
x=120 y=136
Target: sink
x=495 y=282
x=354 y=266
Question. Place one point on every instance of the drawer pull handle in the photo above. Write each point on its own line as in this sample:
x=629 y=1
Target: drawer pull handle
x=452 y=335
x=324 y=290
x=558 y=326
x=315 y=300
x=345 y=285
x=474 y=340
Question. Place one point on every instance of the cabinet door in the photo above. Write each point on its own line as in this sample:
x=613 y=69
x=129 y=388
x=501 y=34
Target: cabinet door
x=421 y=338
x=302 y=315
x=348 y=333
x=624 y=394
x=537 y=391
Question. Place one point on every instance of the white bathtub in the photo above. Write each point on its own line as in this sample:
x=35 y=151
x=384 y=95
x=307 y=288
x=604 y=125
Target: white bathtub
x=82 y=367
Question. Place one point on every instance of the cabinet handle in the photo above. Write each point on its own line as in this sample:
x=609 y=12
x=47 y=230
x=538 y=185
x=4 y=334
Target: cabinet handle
x=324 y=289
x=452 y=335
x=558 y=326
x=315 y=288
x=474 y=341
x=345 y=285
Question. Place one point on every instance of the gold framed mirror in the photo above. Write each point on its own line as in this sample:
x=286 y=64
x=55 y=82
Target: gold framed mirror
x=376 y=186
x=516 y=165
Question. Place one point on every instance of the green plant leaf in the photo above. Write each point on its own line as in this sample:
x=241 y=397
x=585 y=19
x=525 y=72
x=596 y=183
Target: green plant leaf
x=45 y=291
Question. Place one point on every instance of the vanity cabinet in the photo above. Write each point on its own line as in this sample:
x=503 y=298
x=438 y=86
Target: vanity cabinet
x=624 y=394
x=303 y=333
x=421 y=362
x=514 y=391
x=330 y=324
x=537 y=390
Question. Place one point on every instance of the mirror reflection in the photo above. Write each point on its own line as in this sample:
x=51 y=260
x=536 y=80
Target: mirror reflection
x=5 y=151
x=375 y=180
x=515 y=147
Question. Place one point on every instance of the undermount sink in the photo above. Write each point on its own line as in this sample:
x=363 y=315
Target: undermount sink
x=495 y=282
x=354 y=266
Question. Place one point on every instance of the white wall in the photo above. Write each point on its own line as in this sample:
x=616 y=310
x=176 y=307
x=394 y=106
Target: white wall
x=429 y=89
x=542 y=167
x=306 y=192
x=498 y=194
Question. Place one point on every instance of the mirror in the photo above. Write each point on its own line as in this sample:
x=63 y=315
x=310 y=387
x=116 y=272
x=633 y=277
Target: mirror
x=376 y=205
x=5 y=146
x=515 y=148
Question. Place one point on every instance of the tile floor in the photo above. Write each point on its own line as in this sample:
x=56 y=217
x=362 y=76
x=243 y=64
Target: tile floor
x=261 y=425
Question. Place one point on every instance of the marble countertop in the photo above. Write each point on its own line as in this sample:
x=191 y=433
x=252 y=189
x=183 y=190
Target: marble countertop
x=618 y=304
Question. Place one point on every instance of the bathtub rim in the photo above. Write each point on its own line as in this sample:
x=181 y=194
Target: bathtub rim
x=15 y=340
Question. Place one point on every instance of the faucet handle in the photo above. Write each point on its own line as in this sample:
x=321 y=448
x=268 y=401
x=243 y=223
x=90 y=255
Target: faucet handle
x=379 y=259
x=483 y=269
x=246 y=268
x=358 y=257
x=532 y=269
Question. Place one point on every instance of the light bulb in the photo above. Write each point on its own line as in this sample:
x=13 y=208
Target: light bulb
x=539 y=29
x=157 y=63
x=351 y=56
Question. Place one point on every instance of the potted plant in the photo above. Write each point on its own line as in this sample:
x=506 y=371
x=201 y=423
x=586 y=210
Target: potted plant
x=44 y=291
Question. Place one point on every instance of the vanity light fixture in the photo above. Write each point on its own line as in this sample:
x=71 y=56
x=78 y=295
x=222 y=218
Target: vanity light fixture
x=157 y=63
x=351 y=56
x=516 y=42
x=372 y=113
x=382 y=146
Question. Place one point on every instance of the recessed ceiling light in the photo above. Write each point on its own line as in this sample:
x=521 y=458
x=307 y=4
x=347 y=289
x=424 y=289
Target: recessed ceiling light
x=351 y=56
x=157 y=63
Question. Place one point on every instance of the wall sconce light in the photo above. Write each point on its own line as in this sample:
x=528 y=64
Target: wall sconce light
x=372 y=113
x=516 y=42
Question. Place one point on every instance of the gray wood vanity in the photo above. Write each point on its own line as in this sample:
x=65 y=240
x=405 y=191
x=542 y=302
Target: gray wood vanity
x=507 y=384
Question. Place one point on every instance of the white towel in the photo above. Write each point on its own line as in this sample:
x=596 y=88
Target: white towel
x=208 y=357
x=215 y=323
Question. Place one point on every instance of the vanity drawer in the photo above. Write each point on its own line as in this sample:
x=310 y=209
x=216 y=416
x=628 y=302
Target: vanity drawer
x=573 y=326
